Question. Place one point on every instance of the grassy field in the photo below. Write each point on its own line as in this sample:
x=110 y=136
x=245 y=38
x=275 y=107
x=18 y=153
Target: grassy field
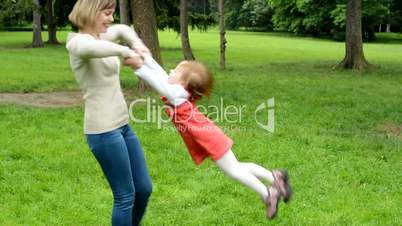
x=336 y=132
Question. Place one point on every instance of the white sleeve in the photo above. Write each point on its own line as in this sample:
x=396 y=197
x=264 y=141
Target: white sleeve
x=175 y=93
x=122 y=32
x=88 y=47
x=151 y=63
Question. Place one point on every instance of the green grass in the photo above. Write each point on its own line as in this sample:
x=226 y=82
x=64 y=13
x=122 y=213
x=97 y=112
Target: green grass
x=390 y=37
x=344 y=167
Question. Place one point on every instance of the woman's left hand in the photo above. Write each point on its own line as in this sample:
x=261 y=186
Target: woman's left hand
x=143 y=50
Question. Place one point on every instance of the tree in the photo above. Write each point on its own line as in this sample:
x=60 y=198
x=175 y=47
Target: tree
x=222 y=34
x=304 y=17
x=233 y=9
x=396 y=15
x=373 y=13
x=326 y=18
x=37 y=26
x=354 y=58
x=51 y=23
x=145 y=25
x=15 y=13
x=185 y=41
x=199 y=14
x=249 y=14
x=124 y=12
x=62 y=9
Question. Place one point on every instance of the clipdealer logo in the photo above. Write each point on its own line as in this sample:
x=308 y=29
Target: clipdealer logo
x=264 y=114
x=266 y=108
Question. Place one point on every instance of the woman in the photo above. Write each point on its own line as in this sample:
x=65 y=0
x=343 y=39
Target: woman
x=95 y=60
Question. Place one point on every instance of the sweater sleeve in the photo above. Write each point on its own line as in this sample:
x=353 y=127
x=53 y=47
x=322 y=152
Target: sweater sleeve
x=85 y=46
x=158 y=80
x=151 y=63
x=122 y=32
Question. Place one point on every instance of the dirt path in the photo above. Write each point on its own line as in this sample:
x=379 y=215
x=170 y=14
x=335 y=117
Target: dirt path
x=53 y=99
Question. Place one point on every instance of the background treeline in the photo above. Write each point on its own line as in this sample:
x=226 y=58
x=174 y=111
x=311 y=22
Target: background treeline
x=319 y=18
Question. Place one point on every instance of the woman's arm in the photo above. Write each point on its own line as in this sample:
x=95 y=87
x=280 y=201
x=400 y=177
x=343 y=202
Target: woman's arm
x=86 y=46
x=122 y=32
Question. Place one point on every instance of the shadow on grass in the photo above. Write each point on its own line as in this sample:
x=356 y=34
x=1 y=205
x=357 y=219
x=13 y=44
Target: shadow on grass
x=171 y=49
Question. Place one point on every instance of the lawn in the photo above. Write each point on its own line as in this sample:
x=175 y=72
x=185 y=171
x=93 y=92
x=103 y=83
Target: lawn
x=335 y=131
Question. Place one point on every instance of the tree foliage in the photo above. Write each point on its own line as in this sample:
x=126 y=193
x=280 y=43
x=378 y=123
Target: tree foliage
x=323 y=18
x=395 y=15
x=14 y=13
x=200 y=15
x=248 y=14
x=326 y=17
x=18 y=13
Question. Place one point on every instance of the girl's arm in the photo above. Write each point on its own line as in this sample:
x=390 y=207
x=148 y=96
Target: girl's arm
x=151 y=63
x=157 y=78
x=86 y=46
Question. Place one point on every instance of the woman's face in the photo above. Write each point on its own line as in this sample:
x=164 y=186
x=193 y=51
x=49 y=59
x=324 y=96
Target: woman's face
x=103 y=20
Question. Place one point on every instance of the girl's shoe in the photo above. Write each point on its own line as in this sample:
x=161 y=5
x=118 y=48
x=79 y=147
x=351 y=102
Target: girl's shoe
x=281 y=181
x=272 y=202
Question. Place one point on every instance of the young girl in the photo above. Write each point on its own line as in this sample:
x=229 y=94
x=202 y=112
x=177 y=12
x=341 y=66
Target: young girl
x=186 y=84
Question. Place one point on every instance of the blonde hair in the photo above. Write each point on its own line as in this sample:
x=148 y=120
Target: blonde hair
x=85 y=11
x=198 y=78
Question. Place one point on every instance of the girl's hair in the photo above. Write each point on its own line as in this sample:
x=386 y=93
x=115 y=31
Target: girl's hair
x=85 y=11
x=198 y=78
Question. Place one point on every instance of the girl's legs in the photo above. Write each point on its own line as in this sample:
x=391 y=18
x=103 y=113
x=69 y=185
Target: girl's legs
x=248 y=174
x=258 y=171
x=141 y=178
x=245 y=173
x=111 y=152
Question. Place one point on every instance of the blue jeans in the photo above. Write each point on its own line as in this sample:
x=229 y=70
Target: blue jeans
x=121 y=158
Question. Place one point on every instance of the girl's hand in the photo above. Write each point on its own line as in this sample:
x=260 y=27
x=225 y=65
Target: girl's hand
x=134 y=62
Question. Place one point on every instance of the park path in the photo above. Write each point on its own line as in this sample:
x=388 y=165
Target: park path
x=51 y=99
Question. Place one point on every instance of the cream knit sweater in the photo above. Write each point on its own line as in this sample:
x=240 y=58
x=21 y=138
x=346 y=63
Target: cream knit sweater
x=96 y=65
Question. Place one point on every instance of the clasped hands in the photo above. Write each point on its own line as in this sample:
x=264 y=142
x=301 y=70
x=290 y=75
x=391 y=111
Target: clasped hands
x=137 y=60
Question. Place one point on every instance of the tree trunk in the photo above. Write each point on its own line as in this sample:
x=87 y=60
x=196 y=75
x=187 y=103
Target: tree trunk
x=371 y=33
x=51 y=23
x=222 y=34
x=37 y=27
x=124 y=15
x=379 y=28
x=185 y=41
x=354 y=58
x=144 y=20
x=388 y=27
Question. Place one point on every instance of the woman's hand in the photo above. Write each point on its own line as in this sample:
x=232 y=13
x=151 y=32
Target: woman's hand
x=134 y=62
x=143 y=50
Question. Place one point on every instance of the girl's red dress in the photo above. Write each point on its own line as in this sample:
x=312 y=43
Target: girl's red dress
x=201 y=136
